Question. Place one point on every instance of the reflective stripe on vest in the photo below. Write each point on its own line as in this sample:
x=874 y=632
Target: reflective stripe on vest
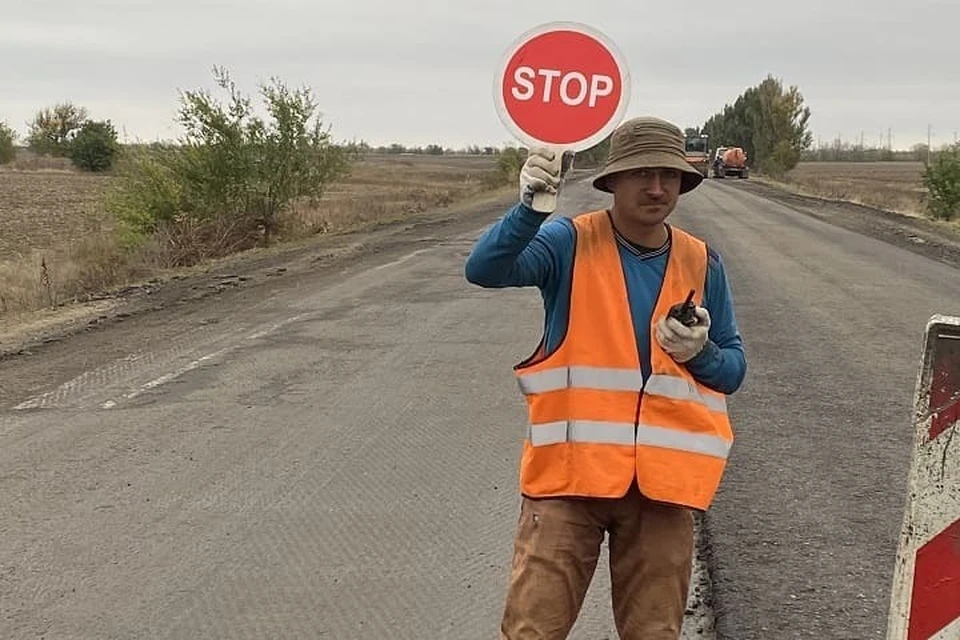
x=622 y=433
x=606 y=378
x=681 y=389
x=610 y=379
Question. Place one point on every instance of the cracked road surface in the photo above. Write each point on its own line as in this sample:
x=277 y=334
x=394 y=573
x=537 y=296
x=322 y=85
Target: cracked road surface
x=334 y=454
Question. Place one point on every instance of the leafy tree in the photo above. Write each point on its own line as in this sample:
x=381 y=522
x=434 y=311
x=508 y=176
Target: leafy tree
x=769 y=122
x=942 y=180
x=510 y=163
x=95 y=147
x=8 y=139
x=53 y=128
x=778 y=120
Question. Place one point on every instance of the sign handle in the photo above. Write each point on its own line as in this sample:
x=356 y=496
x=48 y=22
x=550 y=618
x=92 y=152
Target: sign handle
x=544 y=201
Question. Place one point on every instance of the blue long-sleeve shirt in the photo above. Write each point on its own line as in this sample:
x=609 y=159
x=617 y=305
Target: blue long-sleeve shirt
x=525 y=249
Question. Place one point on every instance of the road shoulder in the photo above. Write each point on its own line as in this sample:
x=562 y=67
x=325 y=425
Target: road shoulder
x=68 y=341
x=256 y=268
x=919 y=235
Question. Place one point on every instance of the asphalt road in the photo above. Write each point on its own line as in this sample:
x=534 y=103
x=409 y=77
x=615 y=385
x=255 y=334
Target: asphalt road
x=334 y=454
x=805 y=530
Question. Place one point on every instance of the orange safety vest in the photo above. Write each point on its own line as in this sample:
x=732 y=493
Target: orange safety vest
x=594 y=423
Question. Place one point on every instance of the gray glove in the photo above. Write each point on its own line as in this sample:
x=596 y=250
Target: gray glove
x=543 y=172
x=684 y=343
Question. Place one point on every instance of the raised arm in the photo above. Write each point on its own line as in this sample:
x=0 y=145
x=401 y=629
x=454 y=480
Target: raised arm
x=520 y=250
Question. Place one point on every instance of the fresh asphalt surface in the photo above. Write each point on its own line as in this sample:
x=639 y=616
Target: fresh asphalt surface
x=335 y=456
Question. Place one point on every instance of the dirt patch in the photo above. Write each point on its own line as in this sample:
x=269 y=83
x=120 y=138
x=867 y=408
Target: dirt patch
x=387 y=188
x=933 y=239
x=43 y=209
x=892 y=186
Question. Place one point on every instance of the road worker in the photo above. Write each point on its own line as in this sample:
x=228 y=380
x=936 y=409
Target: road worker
x=628 y=433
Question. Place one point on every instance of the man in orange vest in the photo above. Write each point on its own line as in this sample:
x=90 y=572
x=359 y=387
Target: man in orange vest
x=628 y=433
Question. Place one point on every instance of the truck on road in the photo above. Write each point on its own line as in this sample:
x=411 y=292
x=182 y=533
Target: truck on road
x=730 y=161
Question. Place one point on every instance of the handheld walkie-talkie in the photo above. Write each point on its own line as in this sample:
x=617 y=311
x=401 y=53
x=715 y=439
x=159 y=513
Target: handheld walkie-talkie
x=684 y=312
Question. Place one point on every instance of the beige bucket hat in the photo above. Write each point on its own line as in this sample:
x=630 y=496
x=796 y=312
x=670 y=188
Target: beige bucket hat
x=646 y=143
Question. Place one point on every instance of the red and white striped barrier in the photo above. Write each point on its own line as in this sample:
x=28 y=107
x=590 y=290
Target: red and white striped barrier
x=925 y=601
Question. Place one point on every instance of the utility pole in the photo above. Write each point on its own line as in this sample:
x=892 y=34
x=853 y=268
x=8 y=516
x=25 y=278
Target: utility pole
x=929 y=139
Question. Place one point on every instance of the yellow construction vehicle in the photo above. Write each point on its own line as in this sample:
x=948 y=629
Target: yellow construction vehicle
x=697 y=151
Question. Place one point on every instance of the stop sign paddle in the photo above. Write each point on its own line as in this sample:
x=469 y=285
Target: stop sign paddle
x=564 y=86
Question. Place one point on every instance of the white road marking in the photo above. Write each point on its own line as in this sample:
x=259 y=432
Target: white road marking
x=84 y=379
x=399 y=260
x=77 y=383
x=169 y=377
x=279 y=325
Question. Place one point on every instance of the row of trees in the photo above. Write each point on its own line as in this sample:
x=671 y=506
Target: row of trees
x=432 y=149
x=770 y=123
x=234 y=169
x=839 y=150
x=65 y=131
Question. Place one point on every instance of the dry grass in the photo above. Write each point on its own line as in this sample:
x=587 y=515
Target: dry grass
x=28 y=161
x=58 y=246
x=389 y=188
x=54 y=238
x=893 y=186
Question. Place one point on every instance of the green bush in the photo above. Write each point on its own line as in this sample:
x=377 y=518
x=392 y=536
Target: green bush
x=95 y=146
x=942 y=180
x=150 y=192
x=509 y=164
x=233 y=173
x=8 y=149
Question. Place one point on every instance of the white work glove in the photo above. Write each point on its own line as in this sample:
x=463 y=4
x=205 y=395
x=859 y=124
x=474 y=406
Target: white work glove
x=539 y=173
x=681 y=342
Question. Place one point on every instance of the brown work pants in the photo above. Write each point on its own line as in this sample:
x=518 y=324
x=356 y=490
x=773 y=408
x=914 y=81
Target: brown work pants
x=556 y=552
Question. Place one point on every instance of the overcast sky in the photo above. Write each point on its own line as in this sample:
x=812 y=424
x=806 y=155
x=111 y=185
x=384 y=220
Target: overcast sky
x=421 y=71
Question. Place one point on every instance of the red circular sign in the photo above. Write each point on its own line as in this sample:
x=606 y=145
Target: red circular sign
x=562 y=85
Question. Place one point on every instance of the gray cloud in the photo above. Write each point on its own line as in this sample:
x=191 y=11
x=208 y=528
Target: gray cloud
x=420 y=72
